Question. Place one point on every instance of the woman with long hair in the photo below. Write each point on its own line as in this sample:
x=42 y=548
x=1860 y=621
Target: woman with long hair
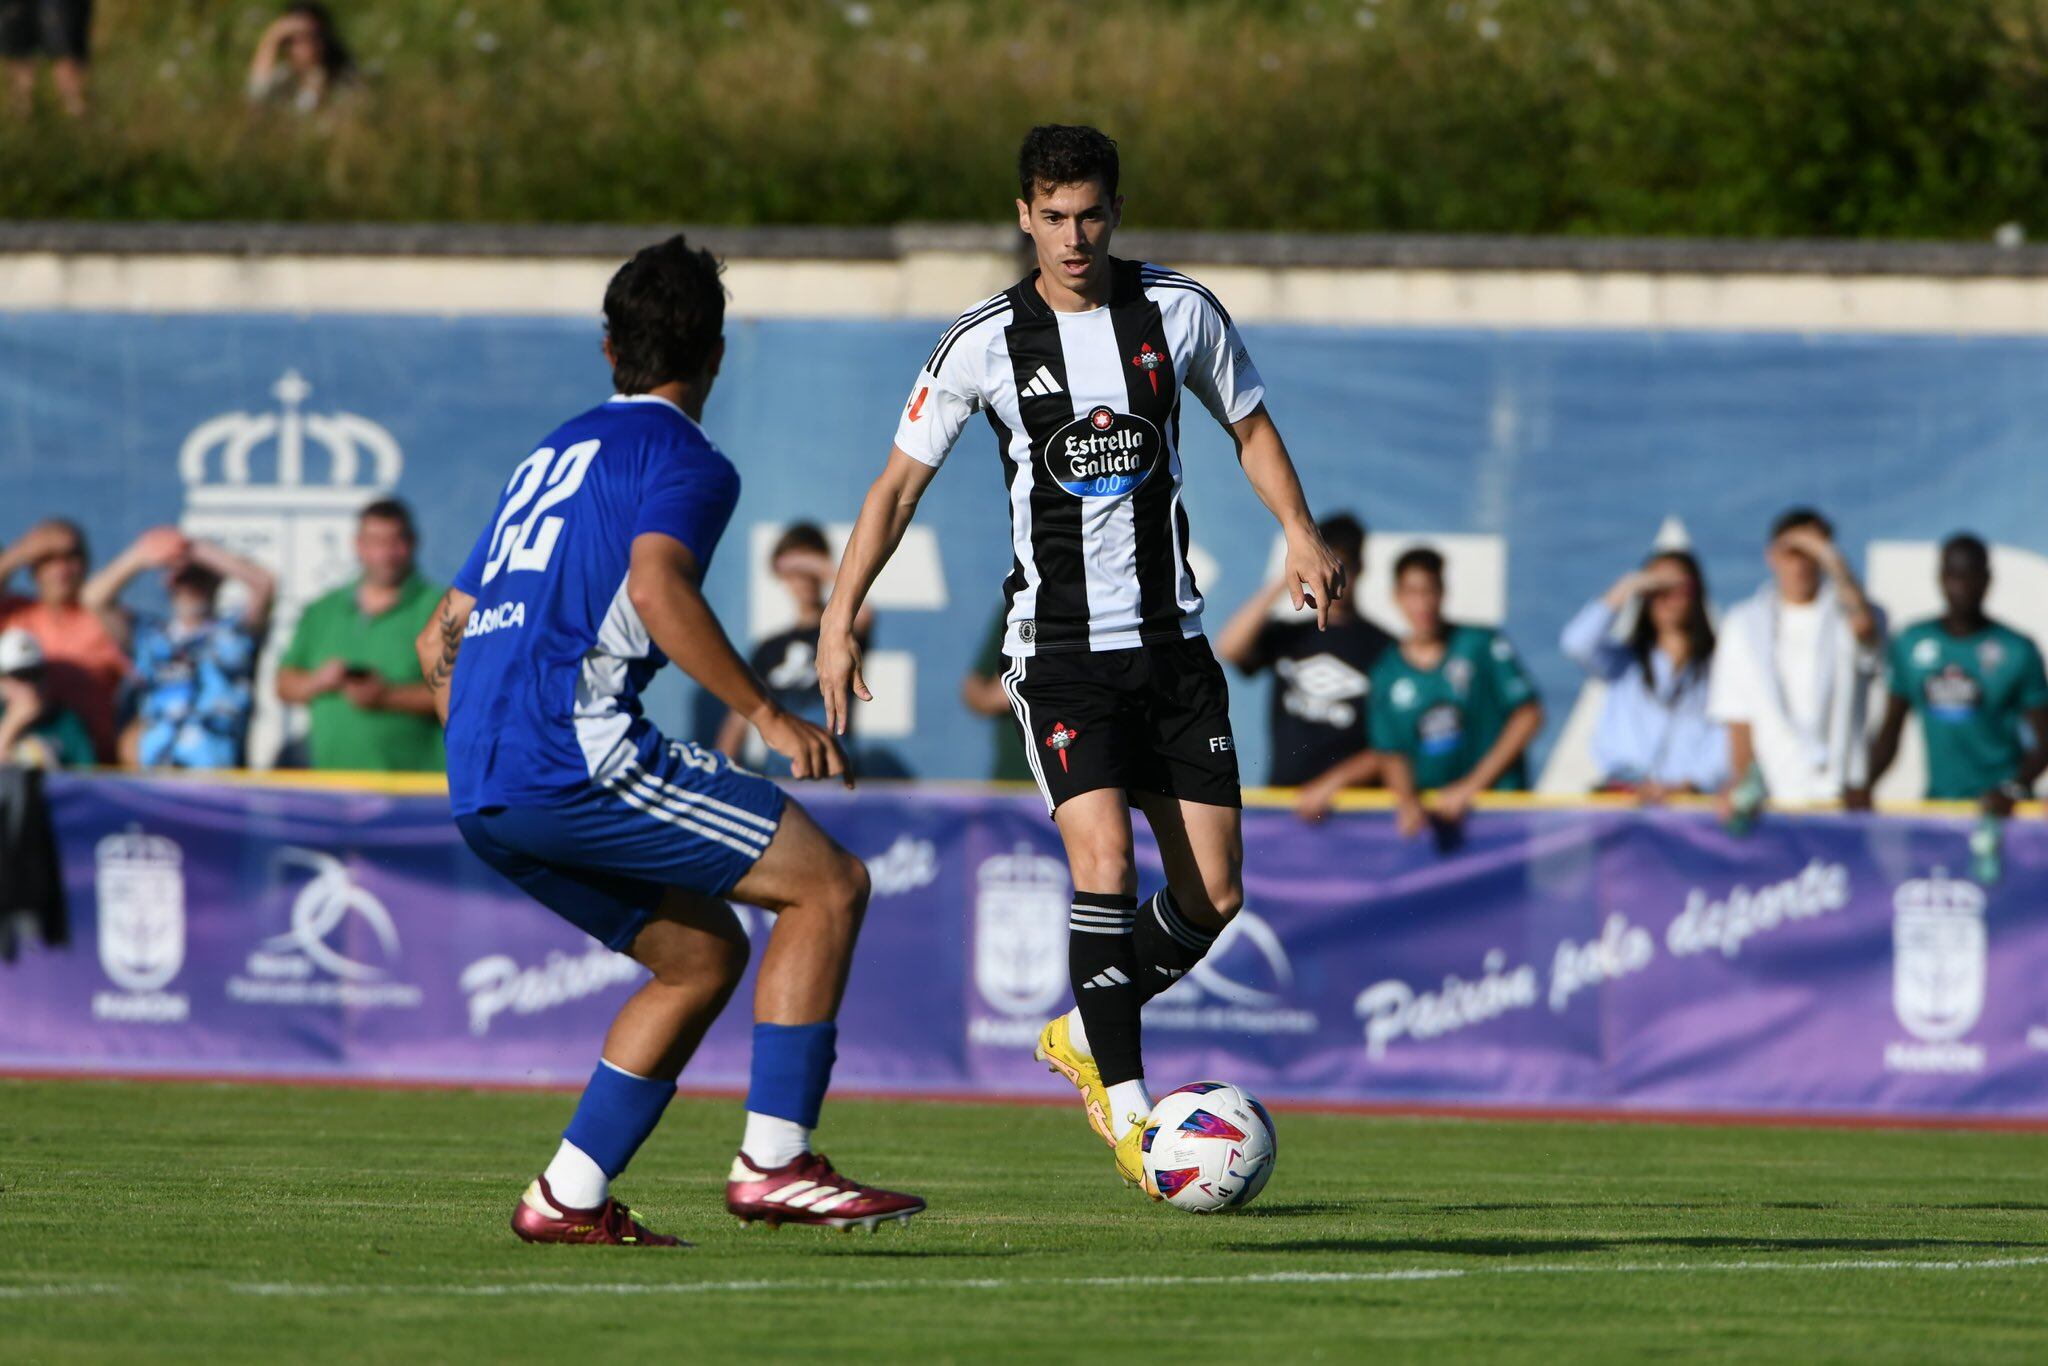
x=300 y=59
x=1653 y=737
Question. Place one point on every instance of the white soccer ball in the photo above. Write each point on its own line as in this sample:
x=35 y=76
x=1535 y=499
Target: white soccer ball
x=1208 y=1146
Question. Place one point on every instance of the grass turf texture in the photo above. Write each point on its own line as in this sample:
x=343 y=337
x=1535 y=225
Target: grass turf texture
x=142 y=1218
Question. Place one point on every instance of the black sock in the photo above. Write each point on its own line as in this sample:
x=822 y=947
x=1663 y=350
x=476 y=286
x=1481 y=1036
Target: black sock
x=1168 y=944
x=1102 y=962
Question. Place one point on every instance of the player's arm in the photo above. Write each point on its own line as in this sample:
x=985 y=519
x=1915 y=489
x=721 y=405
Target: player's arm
x=1514 y=739
x=1884 y=748
x=438 y=643
x=2035 y=761
x=1312 y=574
x=662 y=586
x=885 y=514
x=1237 y=644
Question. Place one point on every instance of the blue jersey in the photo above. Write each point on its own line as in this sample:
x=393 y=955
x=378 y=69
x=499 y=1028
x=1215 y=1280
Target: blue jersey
x=546 y=699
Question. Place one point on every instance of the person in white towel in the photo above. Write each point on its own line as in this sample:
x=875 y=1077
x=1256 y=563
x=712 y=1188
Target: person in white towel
x=1793 y=674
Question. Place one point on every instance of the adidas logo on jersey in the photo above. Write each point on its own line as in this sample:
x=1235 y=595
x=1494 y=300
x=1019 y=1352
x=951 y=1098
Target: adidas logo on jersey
x=1108 y=977
x=1042 y=384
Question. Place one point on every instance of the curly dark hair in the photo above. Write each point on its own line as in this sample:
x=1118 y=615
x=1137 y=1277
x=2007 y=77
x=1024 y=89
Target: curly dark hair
x=1056 y=154
x=664 y=314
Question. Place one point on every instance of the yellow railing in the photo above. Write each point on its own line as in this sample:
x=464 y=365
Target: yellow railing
x=1364 y=799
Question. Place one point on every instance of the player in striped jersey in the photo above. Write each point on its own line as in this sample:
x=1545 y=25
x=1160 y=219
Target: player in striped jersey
x=1080 y=368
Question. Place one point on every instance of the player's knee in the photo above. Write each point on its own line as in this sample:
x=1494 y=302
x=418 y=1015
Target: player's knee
x=849 y=890
x=1105 y=868
x=1225 y=893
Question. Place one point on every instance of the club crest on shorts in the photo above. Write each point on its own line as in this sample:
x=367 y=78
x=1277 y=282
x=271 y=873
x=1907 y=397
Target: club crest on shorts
x=1059 y=739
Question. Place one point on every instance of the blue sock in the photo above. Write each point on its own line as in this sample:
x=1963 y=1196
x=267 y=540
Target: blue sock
x=617 y=1112
x=792 y=1068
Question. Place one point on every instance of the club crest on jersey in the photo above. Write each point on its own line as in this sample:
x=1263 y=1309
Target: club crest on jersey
x=1058 y=741
x=1149 y=361
x=1106 y=454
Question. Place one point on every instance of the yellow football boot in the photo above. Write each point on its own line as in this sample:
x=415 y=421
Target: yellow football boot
x=1057 y=1051
x=1130 y=1155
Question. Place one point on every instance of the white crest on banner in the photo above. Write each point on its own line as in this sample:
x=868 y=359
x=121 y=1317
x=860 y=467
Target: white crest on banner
x=300 y=523
x=1020 y=931
x=1939 y=956
x=140 y=883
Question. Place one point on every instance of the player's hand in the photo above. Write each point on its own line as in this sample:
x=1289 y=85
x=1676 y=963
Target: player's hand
x=1410 y=819
x=161 y=547
x=812 y=751
x=1455 y=801
x=1314 y=800
x=839 y=675
x=1856 y=799
x=366 y=691
x=328 y=677
x=1315 y=577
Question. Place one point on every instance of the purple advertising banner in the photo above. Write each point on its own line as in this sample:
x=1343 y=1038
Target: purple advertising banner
x=1554 y=958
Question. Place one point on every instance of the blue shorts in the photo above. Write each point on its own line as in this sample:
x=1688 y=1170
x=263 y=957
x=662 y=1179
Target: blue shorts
x=691 y=818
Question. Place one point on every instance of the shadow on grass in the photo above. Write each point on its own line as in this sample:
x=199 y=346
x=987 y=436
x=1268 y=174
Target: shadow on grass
x=1844 y=1206
x=1541 y=1247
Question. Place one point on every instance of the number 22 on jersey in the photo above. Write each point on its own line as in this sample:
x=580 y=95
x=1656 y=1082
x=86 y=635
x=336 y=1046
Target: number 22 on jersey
x=524 y=537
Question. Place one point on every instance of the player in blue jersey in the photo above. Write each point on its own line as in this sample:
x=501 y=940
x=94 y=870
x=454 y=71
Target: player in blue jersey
x=583 y=584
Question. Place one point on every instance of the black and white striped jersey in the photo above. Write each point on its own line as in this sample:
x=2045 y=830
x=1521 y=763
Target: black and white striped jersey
x=1086 y=411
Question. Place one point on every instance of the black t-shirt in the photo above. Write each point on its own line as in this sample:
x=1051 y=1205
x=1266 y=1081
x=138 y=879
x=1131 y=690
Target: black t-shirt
x=1320 y=681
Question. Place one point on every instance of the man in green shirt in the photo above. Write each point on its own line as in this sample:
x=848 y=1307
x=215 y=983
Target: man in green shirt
x=1451 y=709
x=1972 y=681
x=352 y=660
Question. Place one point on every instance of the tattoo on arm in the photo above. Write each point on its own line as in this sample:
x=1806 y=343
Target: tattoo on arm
x=443 y=668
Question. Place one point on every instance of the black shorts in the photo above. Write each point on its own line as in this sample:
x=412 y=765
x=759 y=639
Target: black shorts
x=1152 y=719
x=46 y=28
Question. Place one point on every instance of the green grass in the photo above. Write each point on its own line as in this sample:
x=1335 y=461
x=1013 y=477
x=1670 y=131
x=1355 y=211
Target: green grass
x=1758 y=118
x=137 y=1219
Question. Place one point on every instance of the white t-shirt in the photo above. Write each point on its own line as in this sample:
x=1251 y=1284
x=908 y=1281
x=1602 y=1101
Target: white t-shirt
x=1797 y=656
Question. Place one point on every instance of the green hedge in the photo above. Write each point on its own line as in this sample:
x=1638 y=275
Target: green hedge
x=1709 y=117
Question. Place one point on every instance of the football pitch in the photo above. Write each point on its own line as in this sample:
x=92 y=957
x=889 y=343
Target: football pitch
x=278 y=1223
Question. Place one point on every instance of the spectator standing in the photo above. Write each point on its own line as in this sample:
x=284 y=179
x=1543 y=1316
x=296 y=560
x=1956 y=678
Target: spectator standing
x=1321 y=679
x=1793 y=670
x=787 y=662
x=1451 y=709
x=83 y=662
x=300 y=60
x=36 y=730
x=1973 y=681
x=60 y=30
x=1654 y=736
x=984 y=694
x=193 y=669
x=352 y=659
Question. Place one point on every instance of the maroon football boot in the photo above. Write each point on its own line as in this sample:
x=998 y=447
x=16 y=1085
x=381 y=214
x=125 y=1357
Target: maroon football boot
x=540 y=1218
x=808 y=1191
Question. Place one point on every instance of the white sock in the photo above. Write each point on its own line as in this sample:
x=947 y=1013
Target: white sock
x=577 y=1182
x=771 y=1142
x=1078 y=1032
x=1129 y=1104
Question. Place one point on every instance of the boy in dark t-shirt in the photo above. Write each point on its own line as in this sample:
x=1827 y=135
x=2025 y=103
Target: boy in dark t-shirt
x=1321 y=679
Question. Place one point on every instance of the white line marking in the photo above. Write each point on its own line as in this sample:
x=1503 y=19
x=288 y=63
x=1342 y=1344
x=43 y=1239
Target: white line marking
x=1419 y=1273
x=299 y=1290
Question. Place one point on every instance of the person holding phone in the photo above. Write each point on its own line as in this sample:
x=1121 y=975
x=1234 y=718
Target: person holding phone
x=351 y=661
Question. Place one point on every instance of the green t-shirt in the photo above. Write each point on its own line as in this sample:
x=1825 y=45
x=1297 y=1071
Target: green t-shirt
x=1971 y=693
x=58 y=738
x=1012 y=764
x=1445 y=719
x=345 y=736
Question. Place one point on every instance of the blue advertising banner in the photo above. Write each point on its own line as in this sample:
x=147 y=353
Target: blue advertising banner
x=1544 y=461
x=1600 y=958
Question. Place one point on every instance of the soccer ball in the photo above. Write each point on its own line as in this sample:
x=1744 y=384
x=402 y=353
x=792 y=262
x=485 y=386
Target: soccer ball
x=1208 y=1146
